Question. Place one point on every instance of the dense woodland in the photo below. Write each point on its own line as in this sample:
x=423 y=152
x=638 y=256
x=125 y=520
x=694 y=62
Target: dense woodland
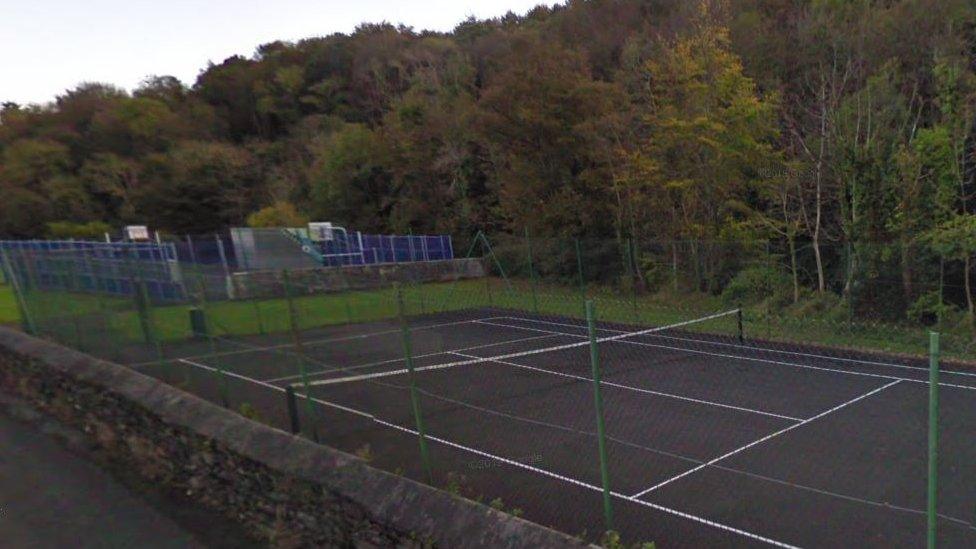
x=817 y=125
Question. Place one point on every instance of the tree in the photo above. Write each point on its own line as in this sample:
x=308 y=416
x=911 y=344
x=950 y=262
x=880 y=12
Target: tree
x=535 y=115
x=197 y=187
x=350 y=180
x=279 y=214
x=705 y=131
x=956 y=239
x=92 y=230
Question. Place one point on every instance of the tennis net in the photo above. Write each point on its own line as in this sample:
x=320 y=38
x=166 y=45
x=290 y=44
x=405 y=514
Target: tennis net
x=684 y=325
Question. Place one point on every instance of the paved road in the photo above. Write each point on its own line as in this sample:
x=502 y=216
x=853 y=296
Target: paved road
x=51 y=497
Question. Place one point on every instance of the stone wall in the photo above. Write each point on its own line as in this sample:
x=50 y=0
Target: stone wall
x=283 y=489
x=270 y=283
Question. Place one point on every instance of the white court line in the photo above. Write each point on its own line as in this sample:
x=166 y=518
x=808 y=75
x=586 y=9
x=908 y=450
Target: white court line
x=740 y=346
x=588 y=486
x=513 y=355
x=752 y=358
x=392 y=360
x=537 y=470
x=637 y=389
x=764 y=439
x=312 y=342
x=274 y=387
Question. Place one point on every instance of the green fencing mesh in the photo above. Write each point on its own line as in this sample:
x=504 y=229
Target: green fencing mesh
x=689 y=393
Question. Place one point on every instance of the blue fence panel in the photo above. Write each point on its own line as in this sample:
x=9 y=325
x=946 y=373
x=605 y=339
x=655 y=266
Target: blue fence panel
x=90 y=266
x=207 y=249
x=369 y=249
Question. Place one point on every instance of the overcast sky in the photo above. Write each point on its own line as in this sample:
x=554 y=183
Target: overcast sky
x=48 y=46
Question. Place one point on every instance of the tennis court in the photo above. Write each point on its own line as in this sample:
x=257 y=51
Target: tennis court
x=710 y=438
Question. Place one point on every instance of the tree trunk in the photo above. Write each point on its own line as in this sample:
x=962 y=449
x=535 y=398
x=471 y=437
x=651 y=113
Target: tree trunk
x=794 y=270
x=906 y=272
x=818 y=214
x=969 y=289
x=821 y=283
x=674 y=265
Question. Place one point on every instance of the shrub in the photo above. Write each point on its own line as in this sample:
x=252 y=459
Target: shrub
x=758 y=284
x=279 y=214
x=92 y=230
x=928 y=309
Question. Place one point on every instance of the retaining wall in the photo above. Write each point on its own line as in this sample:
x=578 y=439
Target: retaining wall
x=283 y=489
x=270 y=283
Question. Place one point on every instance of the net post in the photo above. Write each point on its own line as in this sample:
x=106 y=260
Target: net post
x=579 y=269
x=528 y=249
x=738 y=320
x=414 y=396
x=933 y=429
x=292 y=410
x=598 y=404
x=299 y=351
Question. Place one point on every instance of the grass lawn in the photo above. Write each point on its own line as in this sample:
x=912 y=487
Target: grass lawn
x=117 y=318
x=8 y=306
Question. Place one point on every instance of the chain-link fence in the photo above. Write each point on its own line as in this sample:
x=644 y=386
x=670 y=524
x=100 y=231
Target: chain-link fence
x=688 y=393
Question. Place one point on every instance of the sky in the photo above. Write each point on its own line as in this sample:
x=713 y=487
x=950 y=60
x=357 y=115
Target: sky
x=49 y=46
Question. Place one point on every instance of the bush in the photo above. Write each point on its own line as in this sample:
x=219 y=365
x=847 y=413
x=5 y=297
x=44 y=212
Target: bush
x=758 y=284
x=93 y=230
x=279 y=214
x=656 y=274
x=928 y=310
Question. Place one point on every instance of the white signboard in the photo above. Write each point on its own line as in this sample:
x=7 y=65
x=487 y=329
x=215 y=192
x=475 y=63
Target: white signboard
x=138 y=233
x=320 y=231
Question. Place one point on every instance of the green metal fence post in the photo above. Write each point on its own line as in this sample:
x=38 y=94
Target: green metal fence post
x=346 y=290
x=81 y=320
x=579 y=268
x=933 y=476
x=419 y=282
x=292 y=405
x=26 y=321
x=485 y=250
x=448 y=298
x=31 y=288
x=769 y=289
x=414 y=396
x=255 y=303
x=598 y=403
x=139 y=298
x=528 y=248
x=848 y=252
x=208 y=332
x=941 y=286
x=293 y=325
